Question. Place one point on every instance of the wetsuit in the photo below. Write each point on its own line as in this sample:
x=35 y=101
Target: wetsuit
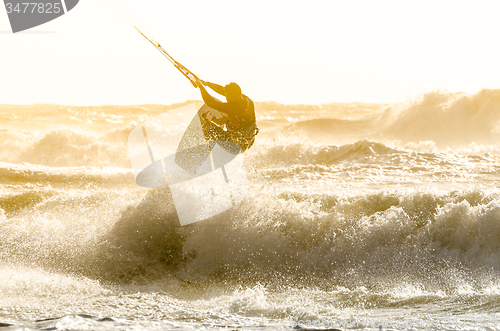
x=241 y=126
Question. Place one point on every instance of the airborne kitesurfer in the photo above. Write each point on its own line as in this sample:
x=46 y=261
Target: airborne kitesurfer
x=233 y=120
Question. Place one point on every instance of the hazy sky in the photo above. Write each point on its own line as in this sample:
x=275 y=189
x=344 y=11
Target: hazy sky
x=277 y=50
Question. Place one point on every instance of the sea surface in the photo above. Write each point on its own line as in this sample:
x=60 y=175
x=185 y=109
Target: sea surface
x=359 y=216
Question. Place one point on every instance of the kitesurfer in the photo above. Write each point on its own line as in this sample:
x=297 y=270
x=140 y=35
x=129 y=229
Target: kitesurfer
x=233 y=120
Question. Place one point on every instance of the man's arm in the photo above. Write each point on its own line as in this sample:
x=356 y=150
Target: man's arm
x=210 y=100
x=216 y=87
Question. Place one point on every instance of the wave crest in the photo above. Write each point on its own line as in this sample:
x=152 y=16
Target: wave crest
x=449 y=119
x=292 y=238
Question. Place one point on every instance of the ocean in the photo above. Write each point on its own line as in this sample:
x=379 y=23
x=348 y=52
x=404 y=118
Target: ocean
x=359 y=216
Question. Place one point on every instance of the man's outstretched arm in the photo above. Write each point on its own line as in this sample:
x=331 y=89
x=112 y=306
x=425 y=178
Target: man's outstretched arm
x=216 y=87
x=210 y=100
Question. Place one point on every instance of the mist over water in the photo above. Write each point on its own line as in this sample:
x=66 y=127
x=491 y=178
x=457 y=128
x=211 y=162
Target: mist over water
x=355 y=210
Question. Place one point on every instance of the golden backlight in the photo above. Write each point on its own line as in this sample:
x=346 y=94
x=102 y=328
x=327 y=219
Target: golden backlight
x=285 y=51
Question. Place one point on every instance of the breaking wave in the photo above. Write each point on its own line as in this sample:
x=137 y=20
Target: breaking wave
x=43 y=175
x=406 y=200
x=448 y=119
x=436 y=122
x=303 y=238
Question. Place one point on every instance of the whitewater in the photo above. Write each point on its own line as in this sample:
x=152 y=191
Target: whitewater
x=375 y=216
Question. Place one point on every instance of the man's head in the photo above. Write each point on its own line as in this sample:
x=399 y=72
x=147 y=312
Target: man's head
x=233 y=92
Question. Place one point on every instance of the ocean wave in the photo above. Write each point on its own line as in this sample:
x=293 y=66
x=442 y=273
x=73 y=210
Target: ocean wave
x=437 y=122
x=297 y=153
x=14 y=174
x=11 y=203
x=13 y=142
x=438 y=241
x=66 y=148
x=328 y=127
x=365 y=152
x=448 y=119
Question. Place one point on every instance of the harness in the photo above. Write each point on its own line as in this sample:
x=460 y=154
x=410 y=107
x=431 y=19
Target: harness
x=220 y=130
